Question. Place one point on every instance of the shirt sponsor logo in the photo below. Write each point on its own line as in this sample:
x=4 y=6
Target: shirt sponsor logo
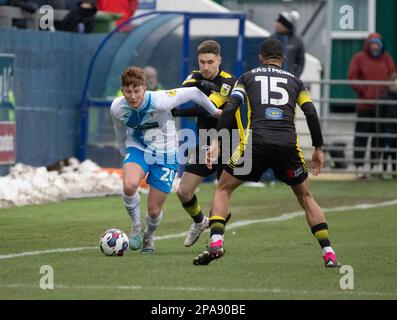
x=146 y=126
x=274 y=114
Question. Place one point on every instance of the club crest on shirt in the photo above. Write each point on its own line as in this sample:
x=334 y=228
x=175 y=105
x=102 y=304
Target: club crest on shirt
x=171 y=93
x=225 y=89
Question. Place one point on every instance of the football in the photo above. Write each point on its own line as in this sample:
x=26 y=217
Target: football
x=113 y=242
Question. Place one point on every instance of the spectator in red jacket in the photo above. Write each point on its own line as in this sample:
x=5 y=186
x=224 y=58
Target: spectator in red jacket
x=373 y=63
x=126 y=7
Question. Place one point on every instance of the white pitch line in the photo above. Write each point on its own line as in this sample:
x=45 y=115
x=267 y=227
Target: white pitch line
x=38 y=252
x=291 y=215
x=201 y=289
x=238 y=224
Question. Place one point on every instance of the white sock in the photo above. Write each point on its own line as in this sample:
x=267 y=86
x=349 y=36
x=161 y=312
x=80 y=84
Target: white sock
x=216 y=237
x=152 y=223
x=132 y=205
x=327 y=249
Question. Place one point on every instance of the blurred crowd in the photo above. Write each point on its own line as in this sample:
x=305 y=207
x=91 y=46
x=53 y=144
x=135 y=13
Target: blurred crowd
x=81 y=13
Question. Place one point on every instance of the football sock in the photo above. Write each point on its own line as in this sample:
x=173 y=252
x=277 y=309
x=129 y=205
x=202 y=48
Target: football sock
x=327 y=249
x=152 y=223
x=217 y=229
x=227 y=218
x=132 y=205
x=192 y=207
x=320 y=231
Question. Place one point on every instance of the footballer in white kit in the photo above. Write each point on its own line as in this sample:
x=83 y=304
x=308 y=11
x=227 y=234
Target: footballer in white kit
x=147 y=138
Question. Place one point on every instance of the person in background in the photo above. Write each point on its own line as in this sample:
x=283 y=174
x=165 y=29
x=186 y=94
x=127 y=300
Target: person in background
x=294 y=48
x=373 y=63
x=80 y=19
x=126 y=8
x=152 y=82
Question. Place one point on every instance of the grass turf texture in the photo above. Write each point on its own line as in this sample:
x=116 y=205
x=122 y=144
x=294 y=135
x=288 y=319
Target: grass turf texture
x=272 y=260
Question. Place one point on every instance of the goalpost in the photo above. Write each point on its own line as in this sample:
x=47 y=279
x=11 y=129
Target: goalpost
x=88 y=101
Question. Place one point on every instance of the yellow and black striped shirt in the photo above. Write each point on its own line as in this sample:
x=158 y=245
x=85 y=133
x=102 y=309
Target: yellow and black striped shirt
x=225 y=81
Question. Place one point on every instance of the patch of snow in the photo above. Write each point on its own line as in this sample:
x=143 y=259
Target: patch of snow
x=26 y=185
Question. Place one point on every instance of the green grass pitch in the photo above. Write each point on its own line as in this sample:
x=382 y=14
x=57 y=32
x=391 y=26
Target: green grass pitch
x=266 y=259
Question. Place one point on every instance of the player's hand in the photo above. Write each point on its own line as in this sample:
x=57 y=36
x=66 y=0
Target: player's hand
x=207 y=86
x=317 y=161
x=212 y=154
x=218 y=114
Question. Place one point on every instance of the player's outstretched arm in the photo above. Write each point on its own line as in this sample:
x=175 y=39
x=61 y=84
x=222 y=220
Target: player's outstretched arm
x=313 y=122
x=226 y=120
x=207 y=87
x=169 y=99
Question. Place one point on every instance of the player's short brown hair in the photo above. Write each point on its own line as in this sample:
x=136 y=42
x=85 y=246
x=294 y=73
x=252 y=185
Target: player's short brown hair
x=209 y=46
x=133 y=76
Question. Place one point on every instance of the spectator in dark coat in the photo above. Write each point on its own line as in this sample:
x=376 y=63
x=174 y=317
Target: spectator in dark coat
x=81 y=19
x=293 y=45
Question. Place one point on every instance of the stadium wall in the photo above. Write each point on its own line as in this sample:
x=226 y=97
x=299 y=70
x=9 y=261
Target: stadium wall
x=49 y=71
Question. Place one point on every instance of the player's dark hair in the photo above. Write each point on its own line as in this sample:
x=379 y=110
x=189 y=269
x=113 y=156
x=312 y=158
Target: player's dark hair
x=272 y=48
x=209 y=46
x=133 y=76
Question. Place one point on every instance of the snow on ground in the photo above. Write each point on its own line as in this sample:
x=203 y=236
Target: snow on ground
x=26 y=185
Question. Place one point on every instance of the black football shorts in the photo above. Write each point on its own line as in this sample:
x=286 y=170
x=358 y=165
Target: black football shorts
x=199 y=168
x=287 y=163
